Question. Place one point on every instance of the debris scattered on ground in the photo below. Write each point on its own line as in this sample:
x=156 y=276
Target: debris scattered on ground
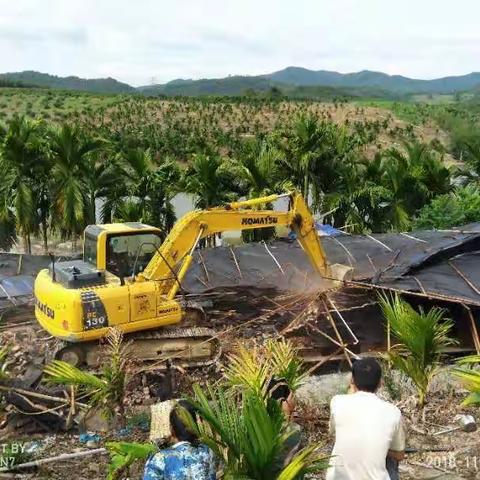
x=326 y=325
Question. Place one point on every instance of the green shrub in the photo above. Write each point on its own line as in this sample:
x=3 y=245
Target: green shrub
x=451 y=210
x=421 y=337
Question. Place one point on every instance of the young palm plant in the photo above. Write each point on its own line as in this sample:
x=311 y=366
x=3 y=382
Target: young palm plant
x=422 y=336
x=124 y=454
x=249 y=370
x=286 y=363
x=249 y=435
x=105 y=391
x=253 y=369
x=470 y=377
x=244 y=427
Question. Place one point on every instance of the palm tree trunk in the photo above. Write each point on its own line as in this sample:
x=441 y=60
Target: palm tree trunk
x=45 y=236
x=29 y=244
x=93 y=211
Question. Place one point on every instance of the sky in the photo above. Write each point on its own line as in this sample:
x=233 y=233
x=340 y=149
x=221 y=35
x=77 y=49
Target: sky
x=154 y=41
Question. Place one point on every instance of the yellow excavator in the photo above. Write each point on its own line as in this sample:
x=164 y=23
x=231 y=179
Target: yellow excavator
x=129 y=279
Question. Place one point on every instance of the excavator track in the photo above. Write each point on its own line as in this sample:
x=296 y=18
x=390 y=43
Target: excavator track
x=188 y=345
x=183 y=346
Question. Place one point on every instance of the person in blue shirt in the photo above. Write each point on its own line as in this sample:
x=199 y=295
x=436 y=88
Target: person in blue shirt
x=186 y=459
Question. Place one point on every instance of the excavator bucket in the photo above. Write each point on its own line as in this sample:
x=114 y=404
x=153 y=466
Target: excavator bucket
x=340 y=272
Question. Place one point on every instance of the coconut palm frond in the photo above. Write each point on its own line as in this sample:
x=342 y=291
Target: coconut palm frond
x=124 y=454
x=66 y=374
x=116 y=349
x=248 y=435
x=3 y=362
x=265 y=435
x=248 y=369
x=422 y=337
x=286 y=362
x=306 y=461
x=470 y=376
x=469 y=360
x=221 y=428
x=114 y=371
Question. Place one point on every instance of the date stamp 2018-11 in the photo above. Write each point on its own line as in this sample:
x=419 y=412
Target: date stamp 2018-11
x=454 y=462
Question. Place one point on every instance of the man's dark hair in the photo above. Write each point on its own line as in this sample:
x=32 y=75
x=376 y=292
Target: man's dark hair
x=278 y=389
x=177 y=425
x=367 y=374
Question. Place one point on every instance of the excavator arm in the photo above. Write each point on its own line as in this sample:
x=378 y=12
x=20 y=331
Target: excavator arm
x=171 y=262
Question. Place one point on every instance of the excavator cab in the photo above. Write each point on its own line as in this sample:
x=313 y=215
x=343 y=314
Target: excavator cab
x=110 y=252
x=122 y=249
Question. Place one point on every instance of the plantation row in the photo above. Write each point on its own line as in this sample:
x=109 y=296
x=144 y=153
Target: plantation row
x=138 y=154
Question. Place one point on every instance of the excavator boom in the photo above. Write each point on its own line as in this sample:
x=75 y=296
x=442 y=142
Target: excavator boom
x=177 y=249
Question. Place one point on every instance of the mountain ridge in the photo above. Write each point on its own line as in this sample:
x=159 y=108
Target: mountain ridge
x=94 y=85
x=290 y=80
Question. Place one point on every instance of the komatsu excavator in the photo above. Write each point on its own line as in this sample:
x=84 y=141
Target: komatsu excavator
x=129 y=279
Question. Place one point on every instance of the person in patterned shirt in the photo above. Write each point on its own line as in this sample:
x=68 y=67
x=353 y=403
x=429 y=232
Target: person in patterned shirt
x=186 y=459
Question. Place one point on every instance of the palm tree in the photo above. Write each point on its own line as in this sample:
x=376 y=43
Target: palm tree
x=102 y=176
x=386 y=192
x=209 y=181
x=24 y=188
x=128 y=210
x=299 y=147
x=70 y=150
x=105 y=391
x=422 y=337
x=316 y=156
x=259 y=175
x=149 y=187
x=472 y=155
x=413 y=175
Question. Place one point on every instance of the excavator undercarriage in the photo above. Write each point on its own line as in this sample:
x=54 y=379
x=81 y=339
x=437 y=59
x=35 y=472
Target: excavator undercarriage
x=188 y=346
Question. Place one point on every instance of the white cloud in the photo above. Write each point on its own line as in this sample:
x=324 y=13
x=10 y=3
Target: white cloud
x=166 y=39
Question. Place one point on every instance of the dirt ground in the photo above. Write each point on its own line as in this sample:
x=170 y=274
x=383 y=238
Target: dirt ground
x=454 y=455
x=457 y=455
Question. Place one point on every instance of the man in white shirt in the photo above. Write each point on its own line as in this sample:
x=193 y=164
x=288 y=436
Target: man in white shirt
x=367 y=429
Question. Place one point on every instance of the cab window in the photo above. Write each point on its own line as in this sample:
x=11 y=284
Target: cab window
x=90 y=250
x=127 y=252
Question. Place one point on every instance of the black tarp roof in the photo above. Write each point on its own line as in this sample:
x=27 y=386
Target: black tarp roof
x=441 y=263
x=418 y=261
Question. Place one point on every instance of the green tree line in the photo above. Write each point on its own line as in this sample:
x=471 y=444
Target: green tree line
x=54 y=175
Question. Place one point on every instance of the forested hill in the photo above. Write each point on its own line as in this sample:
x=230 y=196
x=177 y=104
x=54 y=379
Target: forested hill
x=94 y=85
x=291 y=81
x=239 y=85
x=394 y=83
